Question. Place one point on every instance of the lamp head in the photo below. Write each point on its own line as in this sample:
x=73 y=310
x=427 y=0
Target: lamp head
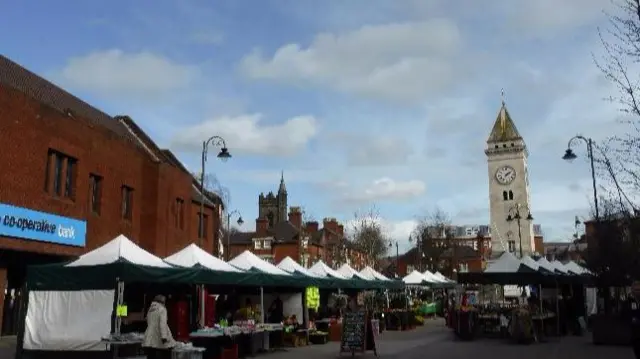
x=569 y=155
x=509 y=218
x=529 y=217
x=224 y=154
x=240 y=221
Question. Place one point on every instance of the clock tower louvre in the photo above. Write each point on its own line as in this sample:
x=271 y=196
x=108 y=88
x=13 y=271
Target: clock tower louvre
x=507 y=156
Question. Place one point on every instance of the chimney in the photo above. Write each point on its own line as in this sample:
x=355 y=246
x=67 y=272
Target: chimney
x=330 y=224
x=261 y=227
x=295 y=217
x=312 y=227
x=341 y=230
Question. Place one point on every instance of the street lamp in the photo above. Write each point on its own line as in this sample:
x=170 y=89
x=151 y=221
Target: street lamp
x=223 y=155
x=397 y=254
x=514 y=214
x=569 y=155
x=420 y=254
x=240 y=223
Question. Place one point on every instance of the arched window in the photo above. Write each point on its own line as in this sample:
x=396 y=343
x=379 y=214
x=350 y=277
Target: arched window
x=504 y=195
x=510 y=195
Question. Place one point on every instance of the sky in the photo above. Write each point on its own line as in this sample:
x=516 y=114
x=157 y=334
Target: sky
x=362 y=103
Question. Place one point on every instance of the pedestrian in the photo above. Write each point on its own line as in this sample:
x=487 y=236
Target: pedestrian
x=158 y=340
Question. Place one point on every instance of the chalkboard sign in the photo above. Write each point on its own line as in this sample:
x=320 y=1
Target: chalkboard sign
x=354 y=332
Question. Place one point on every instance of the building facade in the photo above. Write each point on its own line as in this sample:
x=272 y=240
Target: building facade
x=508 y=187
x=76 y=177
x=278 y=236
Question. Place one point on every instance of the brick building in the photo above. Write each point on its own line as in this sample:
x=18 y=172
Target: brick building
x=467 y=248
x=278 y=236
x=75 y=177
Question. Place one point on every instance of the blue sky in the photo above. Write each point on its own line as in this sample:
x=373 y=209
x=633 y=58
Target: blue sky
x=361 y=102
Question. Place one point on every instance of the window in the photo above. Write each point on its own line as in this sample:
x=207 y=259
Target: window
x=127 y=202
x=95 y=184
x=305 y=260
x=202 y=225
x=266 y=244
x=179 y=213
x=60 y=174
x=510 y=196
x=512 y=246
x=505 y=196
x=257 y=244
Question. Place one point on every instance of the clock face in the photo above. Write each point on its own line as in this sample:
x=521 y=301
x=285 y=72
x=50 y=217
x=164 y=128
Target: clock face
x=505 y=175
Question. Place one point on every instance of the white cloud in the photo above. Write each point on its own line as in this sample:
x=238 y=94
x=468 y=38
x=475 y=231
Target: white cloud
x=385 y=189
x=247 y=134
x=114 y=72
x=374 y=150
x=397 y=61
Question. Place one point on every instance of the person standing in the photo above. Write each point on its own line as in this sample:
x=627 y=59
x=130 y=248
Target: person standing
x=158 y=340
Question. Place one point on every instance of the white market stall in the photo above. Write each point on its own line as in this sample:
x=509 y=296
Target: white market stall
x=77 y=320
x=322 y=270
x=348 y=272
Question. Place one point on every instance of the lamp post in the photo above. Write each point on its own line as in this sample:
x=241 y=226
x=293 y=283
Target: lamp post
x=240 y=222
x=223 y=155
x=569 y=155
x=514 y=214
x=397 y=254
x=420 y=254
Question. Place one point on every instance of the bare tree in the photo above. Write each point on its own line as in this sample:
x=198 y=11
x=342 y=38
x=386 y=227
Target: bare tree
x=614 y=243
x=368 y=235
x=213 y=185
x=434 y=236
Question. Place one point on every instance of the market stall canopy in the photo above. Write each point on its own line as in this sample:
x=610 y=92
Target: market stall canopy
x=442 y=277
x=507 y=263
x=290 y=266
x=432 y=278
x=119 y=249
x=192 y=256
x=546 y=265
x=575 y=268
x=557 y=265
x=530 y=262
x=346 y=271
x=371 y=274
x=322 y=270
x=415 y=278
x=248 y=261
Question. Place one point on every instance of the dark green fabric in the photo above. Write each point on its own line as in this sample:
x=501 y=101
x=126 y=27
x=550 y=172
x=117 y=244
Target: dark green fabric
x=58 y=277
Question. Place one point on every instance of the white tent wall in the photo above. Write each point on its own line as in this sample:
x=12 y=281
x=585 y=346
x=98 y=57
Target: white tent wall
x=291 y=303
x=68 y=320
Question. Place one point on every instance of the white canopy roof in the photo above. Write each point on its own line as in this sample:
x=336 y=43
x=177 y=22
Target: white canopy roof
x=371 y=274
x=507 y=263
x=247 y=261
x=346 y=271
x=415 y=278
x=290 y=266
x=432 y=278
x=322 y=270
x=193 y=255
x=119 y=248
x=559 y=267
x=575 y=268
x=530 y=262
x=544 y=264
x=442 y=277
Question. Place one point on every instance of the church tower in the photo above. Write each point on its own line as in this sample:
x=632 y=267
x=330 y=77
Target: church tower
x=273 y=207
x=508 y=186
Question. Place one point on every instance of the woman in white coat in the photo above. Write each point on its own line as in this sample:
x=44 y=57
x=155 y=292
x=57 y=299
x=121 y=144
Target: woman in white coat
x=158 y=340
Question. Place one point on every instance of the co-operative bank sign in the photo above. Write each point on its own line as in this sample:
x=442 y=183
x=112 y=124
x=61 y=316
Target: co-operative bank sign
x=40 y=226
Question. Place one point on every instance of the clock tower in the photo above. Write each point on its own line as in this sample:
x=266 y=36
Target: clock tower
x=508 y=186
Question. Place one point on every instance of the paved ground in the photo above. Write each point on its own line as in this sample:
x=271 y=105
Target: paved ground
x=435 y=340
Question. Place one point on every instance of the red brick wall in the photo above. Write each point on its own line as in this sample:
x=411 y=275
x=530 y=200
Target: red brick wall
x=28 y=130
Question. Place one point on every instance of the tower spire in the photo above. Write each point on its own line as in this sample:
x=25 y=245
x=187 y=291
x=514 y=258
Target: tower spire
x=283 y=188
x=503 y=129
